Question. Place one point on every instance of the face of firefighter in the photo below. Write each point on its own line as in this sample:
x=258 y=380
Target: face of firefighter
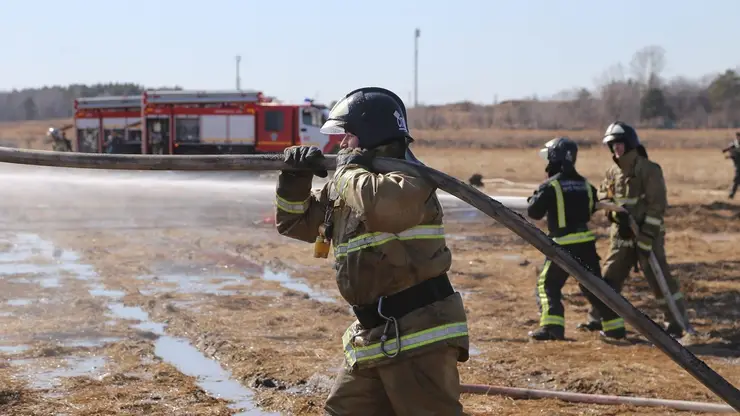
x=350 y=141
x=618 y=149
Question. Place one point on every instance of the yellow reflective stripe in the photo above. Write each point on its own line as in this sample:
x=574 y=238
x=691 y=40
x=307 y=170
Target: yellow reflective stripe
x=653 y=221
x=420 y=232
x=617 y=323
x=408 y=342
x=590 y=198
x=575 y=238
x=625 y=201
x=645 y=246
x=545 y=317
x=291 y=207
x=560 y=203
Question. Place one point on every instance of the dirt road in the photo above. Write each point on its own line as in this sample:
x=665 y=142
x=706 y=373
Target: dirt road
x=171 y=293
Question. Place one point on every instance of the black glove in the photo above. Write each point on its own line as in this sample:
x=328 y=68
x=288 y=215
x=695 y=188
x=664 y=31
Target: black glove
x=361 y=157
x=625 y=231
x=303 y=157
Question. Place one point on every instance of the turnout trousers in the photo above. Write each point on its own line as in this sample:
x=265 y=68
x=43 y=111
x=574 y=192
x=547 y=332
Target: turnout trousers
x=735 y=183
x=550 y=285
x=424 y=385
x=623 y=256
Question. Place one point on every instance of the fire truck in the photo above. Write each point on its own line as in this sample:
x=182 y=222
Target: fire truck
x=229 y=122
x=108 y=124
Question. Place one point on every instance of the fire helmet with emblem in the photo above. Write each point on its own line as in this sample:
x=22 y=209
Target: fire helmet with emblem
x=375 y=115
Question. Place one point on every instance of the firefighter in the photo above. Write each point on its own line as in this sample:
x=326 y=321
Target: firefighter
x=59 y=141
x=734 y=154
x=391 y=263
x=636 y=183
x=568 y=200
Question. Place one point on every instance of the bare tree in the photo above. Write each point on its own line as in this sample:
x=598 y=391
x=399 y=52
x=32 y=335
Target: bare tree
x=647 y=64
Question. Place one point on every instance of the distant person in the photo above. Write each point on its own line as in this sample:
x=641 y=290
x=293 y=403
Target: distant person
x=59 y=141
x=734 y=154
x=568 y=200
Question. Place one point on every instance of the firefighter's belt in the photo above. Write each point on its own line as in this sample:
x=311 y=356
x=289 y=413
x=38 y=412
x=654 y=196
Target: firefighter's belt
x=405 y=301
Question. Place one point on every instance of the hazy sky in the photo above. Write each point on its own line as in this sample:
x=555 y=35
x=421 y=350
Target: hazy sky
x=468 y=50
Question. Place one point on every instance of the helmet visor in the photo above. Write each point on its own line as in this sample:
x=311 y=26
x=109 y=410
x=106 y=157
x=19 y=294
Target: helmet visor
x=543 y=153
x=333 y=127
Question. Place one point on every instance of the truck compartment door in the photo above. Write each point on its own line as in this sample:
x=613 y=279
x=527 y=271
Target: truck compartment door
x=277 y=126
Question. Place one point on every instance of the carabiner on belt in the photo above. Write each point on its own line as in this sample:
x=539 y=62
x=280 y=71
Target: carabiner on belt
x=384 y=337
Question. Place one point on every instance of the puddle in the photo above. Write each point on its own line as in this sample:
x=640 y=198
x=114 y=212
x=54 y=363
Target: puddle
x=289 y=282
x=49 y=282
x=25 y=246
x=13 y=349
x=473 y=350
x=89 y=342
x=209 y=374
x=41 y=378
x=193 y=280
x=101 y=291
x=176 y=351
x=128 y=312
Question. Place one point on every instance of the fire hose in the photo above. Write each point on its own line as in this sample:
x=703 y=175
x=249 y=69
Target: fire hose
x=494 y=209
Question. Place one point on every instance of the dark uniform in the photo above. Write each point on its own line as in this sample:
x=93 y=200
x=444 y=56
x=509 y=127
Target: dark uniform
x=637 y=184
x=568 y=200
x=734 y=150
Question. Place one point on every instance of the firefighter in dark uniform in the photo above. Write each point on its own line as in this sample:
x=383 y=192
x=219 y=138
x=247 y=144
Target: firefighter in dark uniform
x=734 y=154
x=568 y=200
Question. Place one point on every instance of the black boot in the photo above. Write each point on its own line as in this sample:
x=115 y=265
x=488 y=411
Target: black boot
x=590 y=326
x=675 y=330
x=620 y=333
x=548 y=333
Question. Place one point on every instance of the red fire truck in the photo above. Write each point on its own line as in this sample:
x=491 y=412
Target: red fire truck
x=108 y=124
x=222 y=122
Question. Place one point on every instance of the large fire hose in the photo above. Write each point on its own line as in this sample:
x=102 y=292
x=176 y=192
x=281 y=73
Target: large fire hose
x=513 y=221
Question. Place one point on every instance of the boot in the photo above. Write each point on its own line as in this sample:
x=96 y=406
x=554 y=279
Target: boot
x=620 y=333
x=548 y=333
x=674 y=330
x=589 y=326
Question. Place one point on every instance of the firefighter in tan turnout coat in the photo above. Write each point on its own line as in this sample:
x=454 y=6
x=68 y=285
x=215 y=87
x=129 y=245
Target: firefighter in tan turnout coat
x=391 y=263
x=637 y=184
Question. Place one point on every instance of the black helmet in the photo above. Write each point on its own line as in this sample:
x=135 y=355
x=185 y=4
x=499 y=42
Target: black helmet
x=560 y=150
x=375 y=115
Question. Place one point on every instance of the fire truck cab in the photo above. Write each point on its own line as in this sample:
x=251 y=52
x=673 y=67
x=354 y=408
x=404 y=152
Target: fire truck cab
x=108 y=124
x=228 y=122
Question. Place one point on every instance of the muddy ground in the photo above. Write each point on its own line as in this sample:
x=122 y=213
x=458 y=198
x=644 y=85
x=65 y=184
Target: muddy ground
x=174 y=295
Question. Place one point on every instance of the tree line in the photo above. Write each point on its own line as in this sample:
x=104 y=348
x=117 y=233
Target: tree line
x=637 y=93
x=57 y=101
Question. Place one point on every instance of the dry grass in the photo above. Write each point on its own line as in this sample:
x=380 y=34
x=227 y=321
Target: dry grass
x=507 y=138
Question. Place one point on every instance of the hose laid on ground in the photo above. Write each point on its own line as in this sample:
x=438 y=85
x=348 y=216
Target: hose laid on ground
x=513 y=221
x=519 y=393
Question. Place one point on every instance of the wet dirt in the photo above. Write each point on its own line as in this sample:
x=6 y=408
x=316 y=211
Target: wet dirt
x=142 y=276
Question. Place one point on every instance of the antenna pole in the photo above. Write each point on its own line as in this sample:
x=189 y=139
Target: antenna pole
x=417 y=33
x=238 y=79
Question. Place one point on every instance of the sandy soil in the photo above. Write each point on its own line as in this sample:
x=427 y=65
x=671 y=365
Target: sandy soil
x=269 y=313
